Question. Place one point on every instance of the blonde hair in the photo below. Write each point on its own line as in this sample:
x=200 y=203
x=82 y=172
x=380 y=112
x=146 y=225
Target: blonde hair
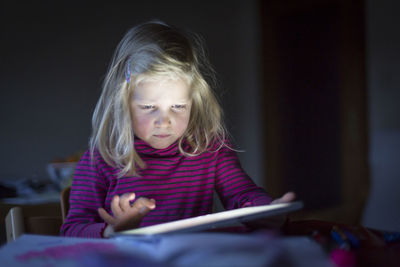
x=155 y=50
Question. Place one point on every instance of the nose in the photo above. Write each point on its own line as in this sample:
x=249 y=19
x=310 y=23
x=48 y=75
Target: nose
x=162 y=120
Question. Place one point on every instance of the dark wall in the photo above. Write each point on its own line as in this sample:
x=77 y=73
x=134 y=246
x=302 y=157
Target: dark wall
x=55 y=54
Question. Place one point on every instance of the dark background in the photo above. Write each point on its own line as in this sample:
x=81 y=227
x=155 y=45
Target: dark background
x=54 y=56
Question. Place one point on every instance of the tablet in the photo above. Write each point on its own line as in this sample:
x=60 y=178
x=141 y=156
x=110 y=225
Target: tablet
x=214 y=220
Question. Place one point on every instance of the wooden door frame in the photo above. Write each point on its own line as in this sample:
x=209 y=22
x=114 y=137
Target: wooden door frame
x=354 y=178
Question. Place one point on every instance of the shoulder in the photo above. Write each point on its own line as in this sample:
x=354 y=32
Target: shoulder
x=91 y=156
x=222 y=145
x=93 y=159
x=222 y=149
x=94 y=164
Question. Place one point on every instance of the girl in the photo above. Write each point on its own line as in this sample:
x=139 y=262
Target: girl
x=158 y=149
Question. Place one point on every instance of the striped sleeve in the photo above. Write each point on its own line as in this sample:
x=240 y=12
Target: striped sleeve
x=88 y=192
x=234 y=187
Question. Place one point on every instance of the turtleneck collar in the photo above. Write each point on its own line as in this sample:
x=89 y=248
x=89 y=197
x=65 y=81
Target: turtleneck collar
x=143 y=148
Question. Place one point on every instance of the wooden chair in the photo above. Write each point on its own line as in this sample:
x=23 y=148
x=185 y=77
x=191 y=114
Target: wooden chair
x=64 y=200
x=17 y=223
x=23 y=219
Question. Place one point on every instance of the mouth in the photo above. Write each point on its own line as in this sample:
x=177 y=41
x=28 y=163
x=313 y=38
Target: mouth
x=162 y=135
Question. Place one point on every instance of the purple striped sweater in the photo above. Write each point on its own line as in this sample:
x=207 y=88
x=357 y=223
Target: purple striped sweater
x=182 y=186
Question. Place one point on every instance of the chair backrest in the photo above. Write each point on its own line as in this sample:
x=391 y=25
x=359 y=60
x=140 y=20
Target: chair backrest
x=14 y=223
x=17 y=224
x=64 y=199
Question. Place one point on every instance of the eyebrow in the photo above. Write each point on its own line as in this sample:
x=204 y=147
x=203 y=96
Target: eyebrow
x=141 y=100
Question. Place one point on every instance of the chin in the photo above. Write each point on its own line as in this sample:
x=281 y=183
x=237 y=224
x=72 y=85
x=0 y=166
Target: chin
x=161 y=145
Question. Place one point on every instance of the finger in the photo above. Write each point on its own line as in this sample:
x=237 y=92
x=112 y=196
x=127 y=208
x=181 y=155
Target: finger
x=105 y=216
x=134 y=216
x=115 y=207
x=151 y=203
x=144 y=205
x=288 y=197
x=124 y=201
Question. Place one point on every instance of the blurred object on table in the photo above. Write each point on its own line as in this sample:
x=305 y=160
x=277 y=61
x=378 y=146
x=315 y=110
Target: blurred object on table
x=61 y=173
x=61 y=170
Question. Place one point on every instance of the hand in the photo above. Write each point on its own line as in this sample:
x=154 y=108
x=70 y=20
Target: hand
x=274 y=222
x=126 y=215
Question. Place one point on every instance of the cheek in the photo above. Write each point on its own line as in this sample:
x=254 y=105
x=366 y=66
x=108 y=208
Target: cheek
x=141 y=125
x=182 y=124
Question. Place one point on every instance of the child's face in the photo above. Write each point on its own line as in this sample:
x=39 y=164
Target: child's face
x=160 y=111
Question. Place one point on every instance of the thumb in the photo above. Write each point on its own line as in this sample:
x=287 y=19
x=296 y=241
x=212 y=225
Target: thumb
x=288 y=197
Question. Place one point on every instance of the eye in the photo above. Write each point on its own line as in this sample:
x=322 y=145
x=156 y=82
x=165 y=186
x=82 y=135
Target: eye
x=179 y=107
x=147 y=107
